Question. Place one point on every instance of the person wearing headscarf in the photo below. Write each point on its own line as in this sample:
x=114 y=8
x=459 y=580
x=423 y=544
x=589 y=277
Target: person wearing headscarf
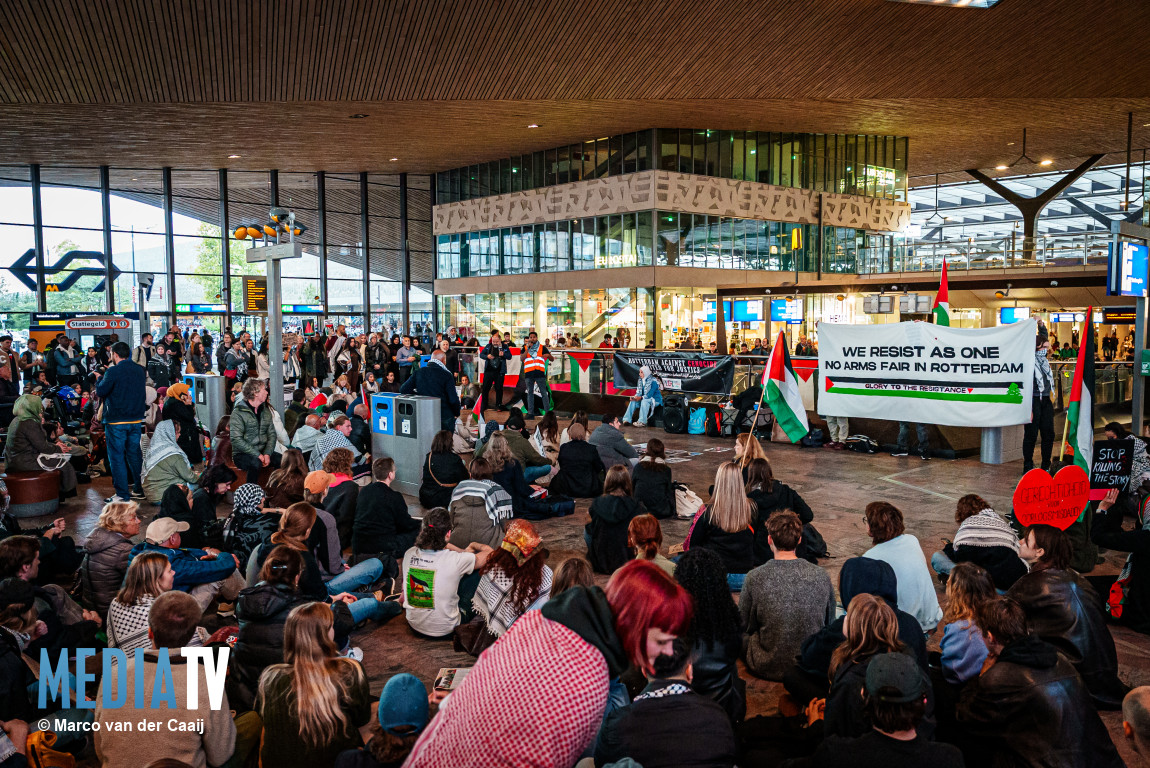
x=648 y=396
x=514 y=579
x=249 y=525
x=166 y=463
x=178 y=408
x=29 y=450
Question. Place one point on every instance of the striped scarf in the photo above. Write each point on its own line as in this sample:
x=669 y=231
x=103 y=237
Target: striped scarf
x=495 y=499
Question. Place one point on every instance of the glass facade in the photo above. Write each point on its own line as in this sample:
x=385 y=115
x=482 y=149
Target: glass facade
x=872 y=166
x=170 y=223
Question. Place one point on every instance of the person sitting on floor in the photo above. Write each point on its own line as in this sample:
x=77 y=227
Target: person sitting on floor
x=785 y=600
x=166 y=464
x=205 y=574
x=533 y=465
x=514 y=579
x=612 y=446
x=1064 y=610
x=985 y=539
x=1136 y=720
x=307 y=435
x=903 y=553
x=149 y=576
x=402 y=715
x=1028 y=706
x=770 y=495
x=894 y=701
x=432 y=571
x=645 y=537
x=581 y=469
x=479 y=508
x=650 y=730
x=342 y=493
x=652 y=480
x=59 y=556
x=442 y=471
x=383 y=527
x=611 y=515
x=106 y=558
x=724 y=525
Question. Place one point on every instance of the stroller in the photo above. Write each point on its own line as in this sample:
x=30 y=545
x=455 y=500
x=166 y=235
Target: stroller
x=62 y=404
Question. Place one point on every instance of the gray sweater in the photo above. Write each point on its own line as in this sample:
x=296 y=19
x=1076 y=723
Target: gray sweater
x=783 y=603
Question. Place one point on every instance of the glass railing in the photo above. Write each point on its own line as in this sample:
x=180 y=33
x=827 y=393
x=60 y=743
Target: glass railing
x=1049 y=252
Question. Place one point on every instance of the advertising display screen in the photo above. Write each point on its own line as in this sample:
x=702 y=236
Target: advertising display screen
x=1127 y=269
x=1008 y=315
x=783 y=311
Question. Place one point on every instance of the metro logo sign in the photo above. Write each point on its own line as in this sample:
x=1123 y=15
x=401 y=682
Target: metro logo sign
x=24 y=269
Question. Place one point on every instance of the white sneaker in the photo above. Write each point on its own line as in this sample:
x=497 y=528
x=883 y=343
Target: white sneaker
x=354 y=652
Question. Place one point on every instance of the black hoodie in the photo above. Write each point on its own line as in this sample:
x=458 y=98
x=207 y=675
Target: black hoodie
x=586 y=612
x=261 y=611
x=610 y=516
x=862 y=575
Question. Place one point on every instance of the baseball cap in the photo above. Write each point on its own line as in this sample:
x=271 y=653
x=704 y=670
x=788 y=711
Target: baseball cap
x=894 y=678
x=317 y=481
x=403 y=705
x=162 y=528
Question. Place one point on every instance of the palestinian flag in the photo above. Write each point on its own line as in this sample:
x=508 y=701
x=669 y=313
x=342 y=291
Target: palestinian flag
x=1080 y=412
x=781 y=392
x=941 y=307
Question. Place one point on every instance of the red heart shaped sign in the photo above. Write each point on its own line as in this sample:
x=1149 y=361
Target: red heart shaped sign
x=1058 y=501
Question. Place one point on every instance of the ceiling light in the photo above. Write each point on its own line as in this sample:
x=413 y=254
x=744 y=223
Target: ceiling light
x=358 y=116
x=233 y=157
x=1001 y=167
x=533 y=125
x=393 y=159
x=1046 y=162
x=955 y=3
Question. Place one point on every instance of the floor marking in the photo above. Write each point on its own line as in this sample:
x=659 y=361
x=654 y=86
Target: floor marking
x=890 y=479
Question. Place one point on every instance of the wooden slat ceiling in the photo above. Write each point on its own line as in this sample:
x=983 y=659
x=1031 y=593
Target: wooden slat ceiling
x=188 y=82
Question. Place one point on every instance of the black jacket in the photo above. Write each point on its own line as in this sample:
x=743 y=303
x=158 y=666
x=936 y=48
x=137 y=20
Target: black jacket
x=1107 y=532
x=580 y=472
x=341 y=502
x=189 y=439
x=1065 y=611
x=15 y=677
x=380 y=517
x=845 y=714
x=610 y=516
x=736 y=549
x=653 y=488
x=861 y=575
x=261 y=611
x=441 y=473
x=655 y=732
x=500 y=354
x=433 y=381
x=1002 y=563
x=360 y=435
x=716 y=665
x=781 y=496
x=1032 y=709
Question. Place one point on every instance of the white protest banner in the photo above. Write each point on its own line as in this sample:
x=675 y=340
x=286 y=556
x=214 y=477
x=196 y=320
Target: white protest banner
x=930 y=374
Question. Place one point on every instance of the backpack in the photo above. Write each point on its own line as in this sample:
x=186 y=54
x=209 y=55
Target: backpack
x=812 y=439
x=861 y=444
x=697 y=425
x=243 y=533
x=714 y=425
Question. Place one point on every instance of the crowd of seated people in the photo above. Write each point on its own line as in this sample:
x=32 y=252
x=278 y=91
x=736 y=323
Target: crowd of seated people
x=607 y=659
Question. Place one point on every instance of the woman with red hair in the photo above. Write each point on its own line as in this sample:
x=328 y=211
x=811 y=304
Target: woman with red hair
x=538 y=694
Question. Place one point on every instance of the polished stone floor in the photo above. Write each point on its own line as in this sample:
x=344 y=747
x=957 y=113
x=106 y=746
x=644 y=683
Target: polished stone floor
x=836 y=484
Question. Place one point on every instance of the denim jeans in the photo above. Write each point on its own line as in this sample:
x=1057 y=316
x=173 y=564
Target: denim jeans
x=646 y=407
x=920 y=433
x=544 y=393
x=941 y=563
x=367 y=607
x=532 y=474
x=125 y=461
x=356 y=578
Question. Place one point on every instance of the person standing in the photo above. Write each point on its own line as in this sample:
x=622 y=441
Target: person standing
x=121 y=390
x=535 y=356
x=31 y=362
x=406 y=359
x=434 y=380
x=68 y=363
x=495 y=355
x=1041 y=408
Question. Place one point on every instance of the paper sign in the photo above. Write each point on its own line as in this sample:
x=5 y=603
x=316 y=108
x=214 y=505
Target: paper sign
x=1113 y=461
x=1058 y=501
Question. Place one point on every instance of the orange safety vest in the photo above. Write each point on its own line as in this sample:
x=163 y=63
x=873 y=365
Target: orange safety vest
x=533 y=363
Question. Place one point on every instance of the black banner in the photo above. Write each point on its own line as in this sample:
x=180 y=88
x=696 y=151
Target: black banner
x=678 y=371
x=1113 y=462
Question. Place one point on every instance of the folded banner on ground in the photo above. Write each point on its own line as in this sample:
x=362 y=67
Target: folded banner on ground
x=678 y=371
x=931 y=374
